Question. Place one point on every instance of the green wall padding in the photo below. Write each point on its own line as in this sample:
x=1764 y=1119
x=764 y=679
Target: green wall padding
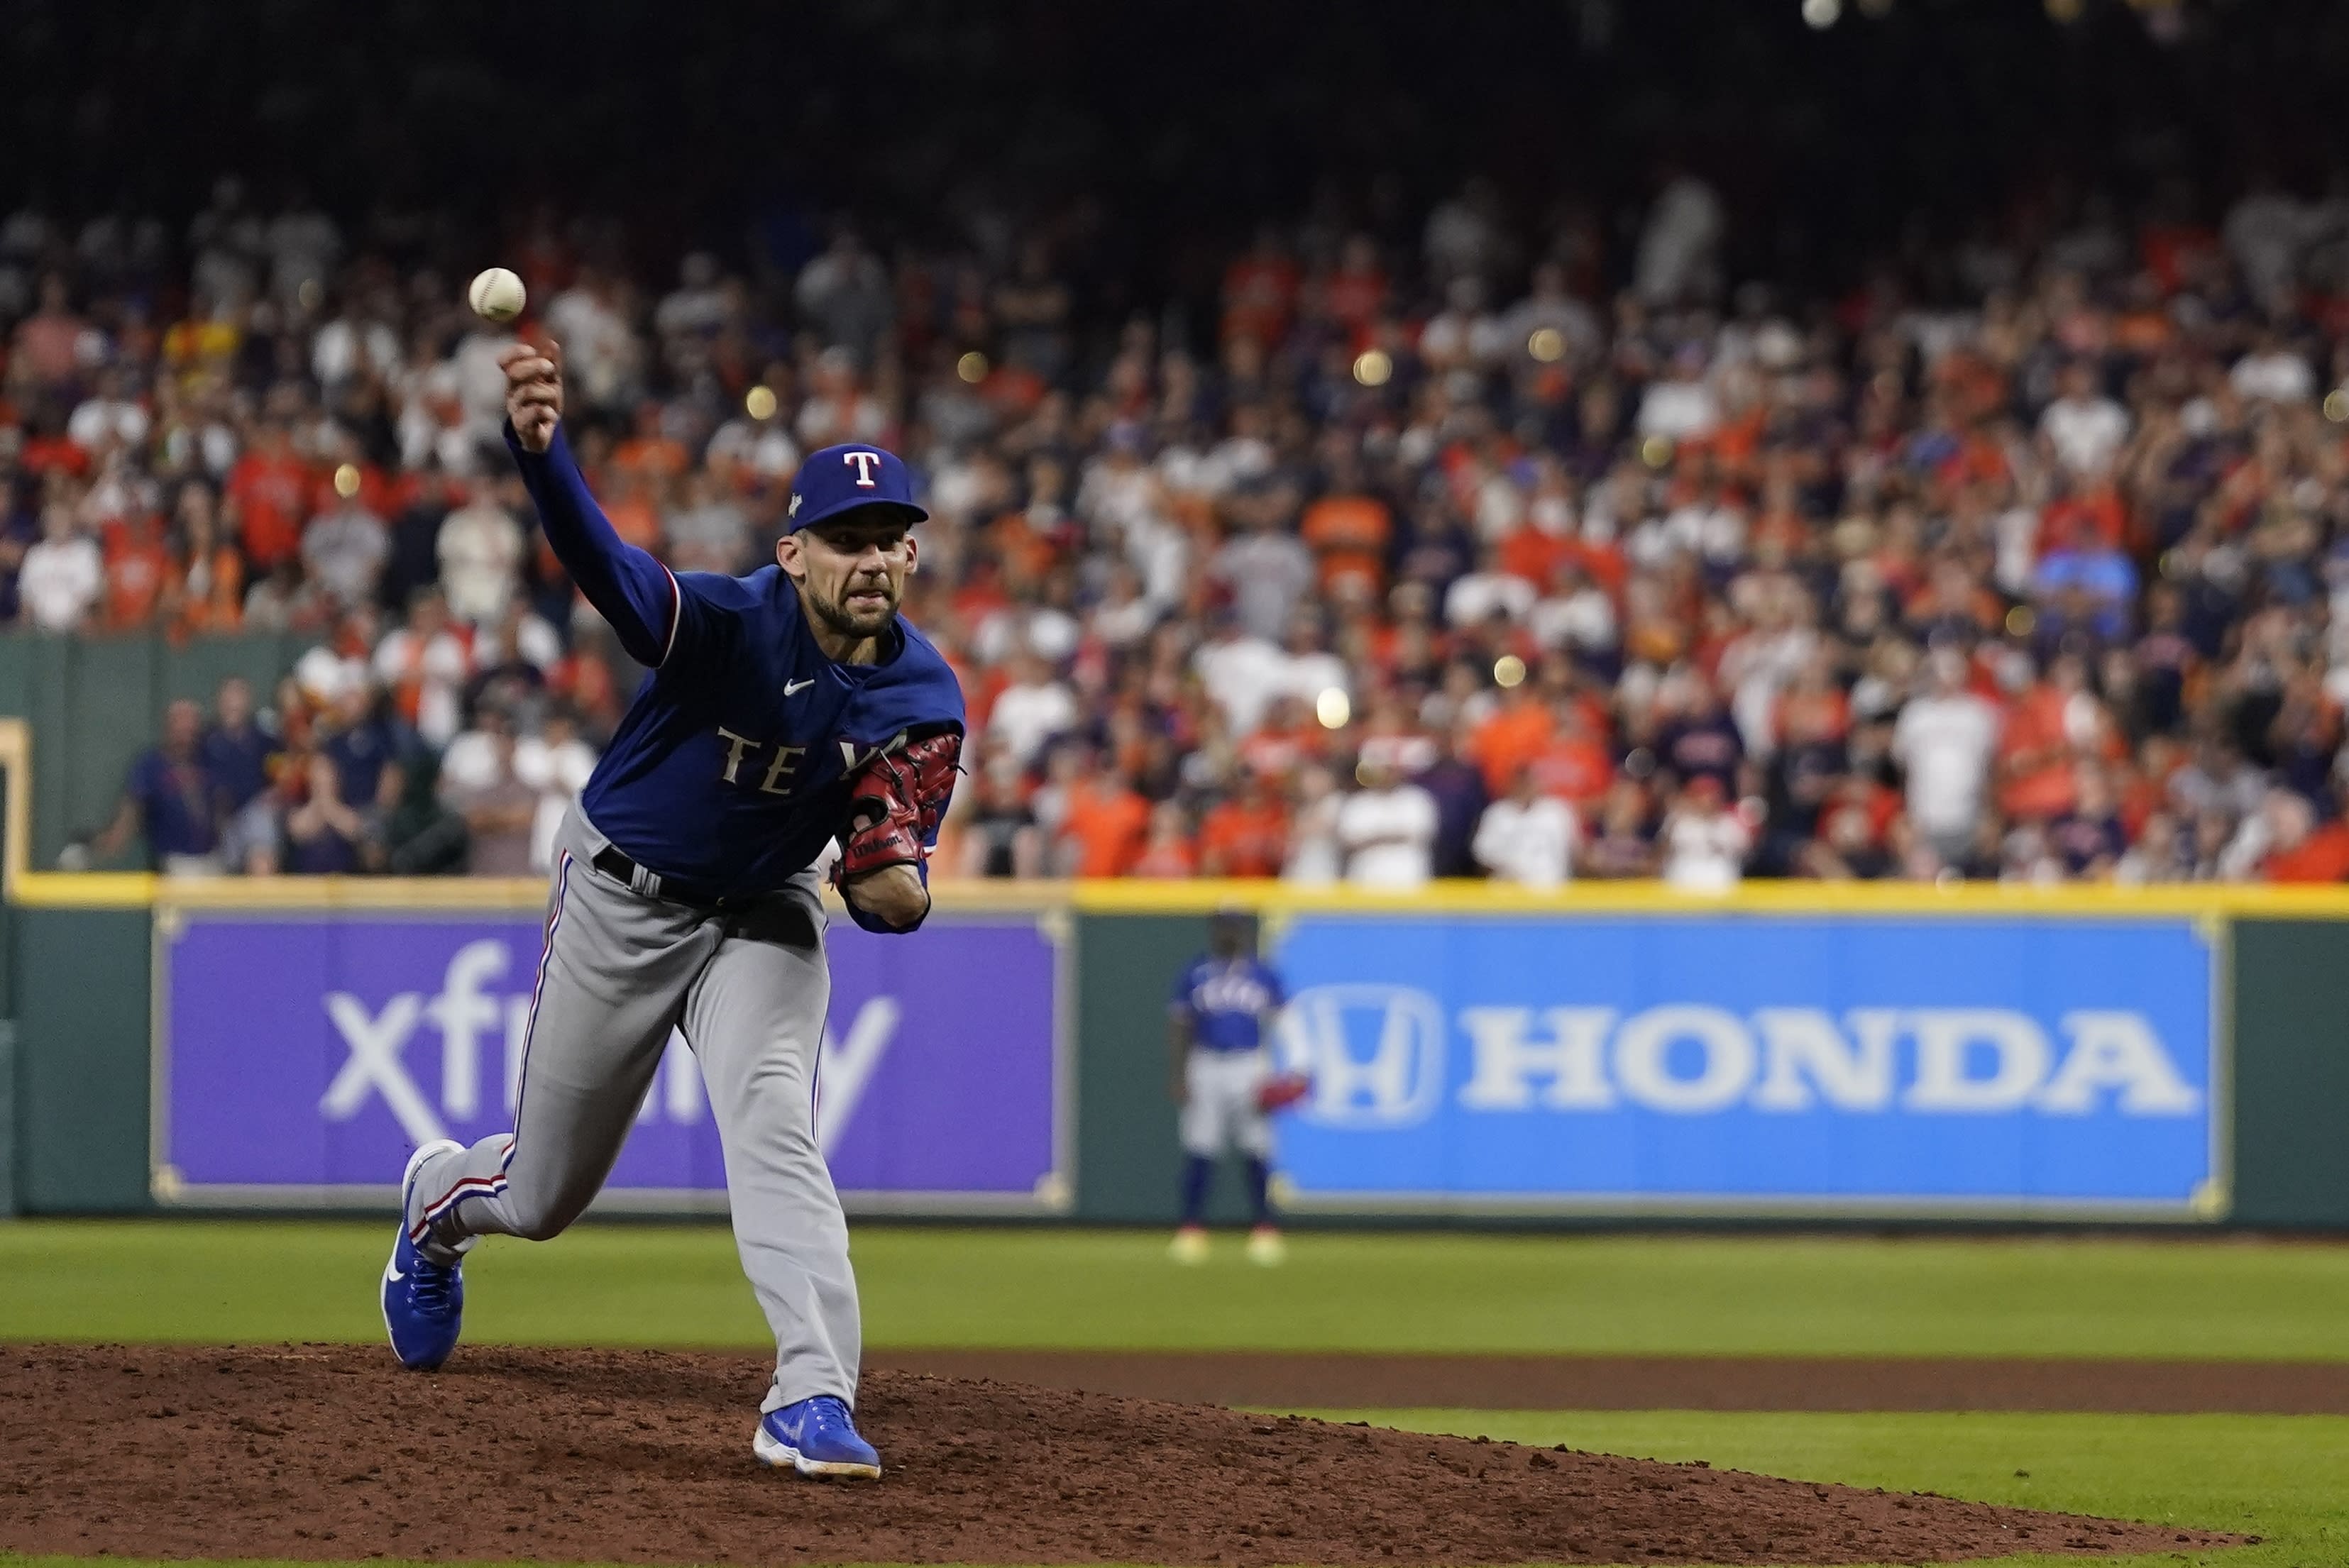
x=2290 y=1005
x=82 y=982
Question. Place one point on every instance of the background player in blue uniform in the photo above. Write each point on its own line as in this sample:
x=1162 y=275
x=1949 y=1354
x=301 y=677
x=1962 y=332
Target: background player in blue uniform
x=785 y=710
x=1219 y=1029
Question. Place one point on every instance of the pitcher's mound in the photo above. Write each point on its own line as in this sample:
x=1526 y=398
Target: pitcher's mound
x=332 y=1451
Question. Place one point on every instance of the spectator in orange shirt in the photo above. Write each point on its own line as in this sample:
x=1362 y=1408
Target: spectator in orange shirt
x=1573 y=765
x=268 y=490
x=205 y=591
x=1287 y=739
x=138 y=567
x=1516 y=733
x=651 y=452
x=1247 y=834
x=1169 y=851
x=634 y=516
x=2048 y=726
x=2303 y=852
x=1104 y=825
x=348 y=476
x=1347 y=529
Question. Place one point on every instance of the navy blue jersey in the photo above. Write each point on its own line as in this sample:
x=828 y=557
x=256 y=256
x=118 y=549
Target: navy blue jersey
x=730 y=771
x=1226 y=1000
x=178 y=802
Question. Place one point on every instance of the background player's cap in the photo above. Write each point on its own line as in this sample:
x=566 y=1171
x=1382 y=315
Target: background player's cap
x=844 y=478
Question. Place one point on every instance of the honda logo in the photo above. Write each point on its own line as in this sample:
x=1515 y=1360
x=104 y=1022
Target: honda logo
x=1375 y=1053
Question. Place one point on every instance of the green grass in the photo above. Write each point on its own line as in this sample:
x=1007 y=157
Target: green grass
x=2280 y=1477
x=935 y=1287
x=2284 y=1478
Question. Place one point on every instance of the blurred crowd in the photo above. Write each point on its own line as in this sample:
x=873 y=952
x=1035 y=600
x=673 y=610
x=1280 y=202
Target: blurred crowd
x=1483 y=546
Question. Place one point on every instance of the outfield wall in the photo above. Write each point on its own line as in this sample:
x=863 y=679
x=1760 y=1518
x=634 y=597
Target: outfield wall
x=1618 y=1053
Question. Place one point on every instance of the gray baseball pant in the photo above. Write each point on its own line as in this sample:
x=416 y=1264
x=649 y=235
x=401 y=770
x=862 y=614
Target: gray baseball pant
x=748 y=988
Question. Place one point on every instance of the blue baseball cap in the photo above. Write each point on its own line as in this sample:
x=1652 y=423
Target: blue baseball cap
x=844 y=478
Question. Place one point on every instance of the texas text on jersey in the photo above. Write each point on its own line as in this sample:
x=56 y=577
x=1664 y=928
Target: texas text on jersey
x=1226 y=999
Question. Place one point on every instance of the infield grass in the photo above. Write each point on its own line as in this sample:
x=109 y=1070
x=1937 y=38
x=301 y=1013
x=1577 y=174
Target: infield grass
x=2282 y=1478
x=934 y=1287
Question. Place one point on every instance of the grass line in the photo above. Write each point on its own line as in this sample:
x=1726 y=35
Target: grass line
x=680 y=1286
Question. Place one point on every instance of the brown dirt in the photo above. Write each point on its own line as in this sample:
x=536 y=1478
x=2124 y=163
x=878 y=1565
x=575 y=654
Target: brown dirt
x=330 y=1451
x=1288 y=1381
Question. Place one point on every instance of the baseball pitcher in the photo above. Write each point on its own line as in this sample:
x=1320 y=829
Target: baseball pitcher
x=785 y=710
x=1224 y=1087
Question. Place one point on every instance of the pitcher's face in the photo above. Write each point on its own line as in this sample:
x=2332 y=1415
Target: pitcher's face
x=851 y=568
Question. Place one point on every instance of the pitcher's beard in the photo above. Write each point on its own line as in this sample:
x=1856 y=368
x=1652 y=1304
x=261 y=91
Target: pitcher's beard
x=860 y=623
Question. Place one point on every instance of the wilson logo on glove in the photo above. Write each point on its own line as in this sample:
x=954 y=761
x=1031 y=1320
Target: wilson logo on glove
x=895 y=802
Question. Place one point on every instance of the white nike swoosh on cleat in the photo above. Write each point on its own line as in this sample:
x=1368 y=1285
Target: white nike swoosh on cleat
x=392 y=1275
x=791 y=688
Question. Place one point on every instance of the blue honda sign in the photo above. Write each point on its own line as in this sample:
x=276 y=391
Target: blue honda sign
x=1955 y=1065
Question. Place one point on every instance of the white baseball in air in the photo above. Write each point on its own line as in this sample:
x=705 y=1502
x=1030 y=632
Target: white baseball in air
x=496 y=295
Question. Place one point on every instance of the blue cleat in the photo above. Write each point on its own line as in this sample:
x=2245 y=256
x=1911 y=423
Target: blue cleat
x=423 y=1303
x=816 y=1438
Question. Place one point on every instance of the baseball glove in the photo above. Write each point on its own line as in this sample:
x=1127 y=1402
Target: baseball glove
x=895 y=802
x=1281 y=1090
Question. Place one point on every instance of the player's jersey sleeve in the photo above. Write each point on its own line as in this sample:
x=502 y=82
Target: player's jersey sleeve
x=1186 y=987
x=652 y=614
x=1274 y=996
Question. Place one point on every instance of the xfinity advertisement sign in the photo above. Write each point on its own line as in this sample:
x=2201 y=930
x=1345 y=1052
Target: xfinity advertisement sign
x=299 y=1058
x=1963 y=1065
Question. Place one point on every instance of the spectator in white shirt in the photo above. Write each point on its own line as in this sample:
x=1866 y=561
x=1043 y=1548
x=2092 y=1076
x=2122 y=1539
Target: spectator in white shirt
x=480 y=548
x=1526 y=837
x=109 y=418
x=2084 y=428
x=1474 y=597
x=2273 y=373
x=1033 y=708
x=1704 y=841
x=353 y=343
x=1575 y=615
x=1312 y=668
x=1679 y=254
x=1387 y=830
x=1315 y=857
x=1242 y=672
x=431 y=659
x=1945 y=740
x=1680 y=406
x=556 y=763
x=62 y=576
x=1266 y=569
x=709 y=532
x=344 y=550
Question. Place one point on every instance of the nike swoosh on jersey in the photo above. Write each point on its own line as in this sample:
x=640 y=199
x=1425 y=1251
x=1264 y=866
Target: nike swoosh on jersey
x=794 y=687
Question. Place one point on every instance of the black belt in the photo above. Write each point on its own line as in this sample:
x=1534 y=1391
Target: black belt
x=652 y=885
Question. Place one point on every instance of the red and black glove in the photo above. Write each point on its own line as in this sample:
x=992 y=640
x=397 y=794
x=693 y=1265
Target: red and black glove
x=895 y=802
x=1278 y=1091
